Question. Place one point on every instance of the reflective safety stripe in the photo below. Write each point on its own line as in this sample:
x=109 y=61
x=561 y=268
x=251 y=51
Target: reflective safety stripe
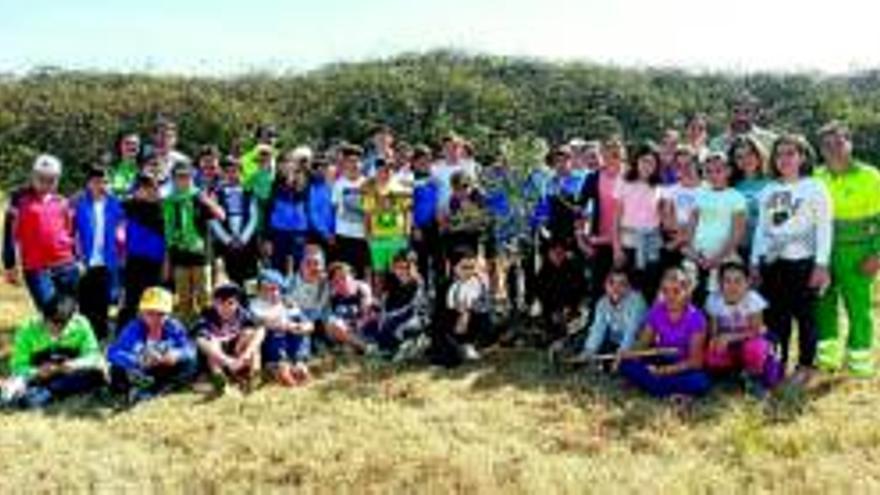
x=829 y=355
x=861 y=231
x=861 y=362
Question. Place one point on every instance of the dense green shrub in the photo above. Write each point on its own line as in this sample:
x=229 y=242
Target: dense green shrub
x=489 y=99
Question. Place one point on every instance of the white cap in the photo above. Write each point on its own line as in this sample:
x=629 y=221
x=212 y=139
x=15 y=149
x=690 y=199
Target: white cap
x=577 y=143
x=46 y=164
x=302 y=153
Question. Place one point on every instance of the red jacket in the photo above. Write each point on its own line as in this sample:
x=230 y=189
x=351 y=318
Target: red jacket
x=42 y=229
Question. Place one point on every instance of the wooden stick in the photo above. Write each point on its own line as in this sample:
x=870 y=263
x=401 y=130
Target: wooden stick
x=659 y=351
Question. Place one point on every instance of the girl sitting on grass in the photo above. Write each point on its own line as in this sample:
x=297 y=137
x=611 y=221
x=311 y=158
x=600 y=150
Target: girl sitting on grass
x=737 y=338
x=675 y=333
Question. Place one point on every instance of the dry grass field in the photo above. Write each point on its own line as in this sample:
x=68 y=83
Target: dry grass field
x=509 y=424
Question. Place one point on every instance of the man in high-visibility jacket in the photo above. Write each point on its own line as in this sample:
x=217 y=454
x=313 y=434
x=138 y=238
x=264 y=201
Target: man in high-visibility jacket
x=855 y=258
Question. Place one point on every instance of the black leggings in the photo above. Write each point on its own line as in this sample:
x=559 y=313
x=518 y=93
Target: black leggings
x=785 y=284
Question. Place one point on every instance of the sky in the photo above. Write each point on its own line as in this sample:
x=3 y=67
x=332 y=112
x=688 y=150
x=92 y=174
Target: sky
x=224 y=37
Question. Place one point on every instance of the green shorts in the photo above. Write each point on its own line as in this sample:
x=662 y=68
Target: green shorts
x=383 y=250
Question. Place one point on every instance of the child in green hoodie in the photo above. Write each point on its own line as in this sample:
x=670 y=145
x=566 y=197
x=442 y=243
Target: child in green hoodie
x=186 y=212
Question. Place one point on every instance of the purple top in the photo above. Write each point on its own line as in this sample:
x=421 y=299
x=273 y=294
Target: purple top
x=677 y=334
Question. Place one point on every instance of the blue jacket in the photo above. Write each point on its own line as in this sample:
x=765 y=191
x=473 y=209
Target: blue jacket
x=84 y=227
x=426 y=194
x=144 y=230
x=322 y=215
x=84 y=230
x=127 y=351
x=287 y=210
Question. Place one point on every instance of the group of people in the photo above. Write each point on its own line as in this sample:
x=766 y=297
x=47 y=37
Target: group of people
x=672 y=263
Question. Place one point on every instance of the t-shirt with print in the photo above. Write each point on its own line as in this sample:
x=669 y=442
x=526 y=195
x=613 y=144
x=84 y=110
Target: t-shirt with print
x=716 y=209
x=794 y=223
x=388 y=207
x=467 y=214
x=675 y=334
x=471 y=294
x=348 y=198
x=311 y=297
x=684 y=201
x=639 y=201
x=751 y=190
x=734 y=317
x=349 y=308
x=211 y=326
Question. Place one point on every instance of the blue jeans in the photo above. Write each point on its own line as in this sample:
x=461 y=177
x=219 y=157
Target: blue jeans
x=287 y=245
x=158 y=380
x=693 y=382
x=283 y=347
x=45 y=284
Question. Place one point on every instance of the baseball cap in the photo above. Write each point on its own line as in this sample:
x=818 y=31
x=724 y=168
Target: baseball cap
x=47 y=164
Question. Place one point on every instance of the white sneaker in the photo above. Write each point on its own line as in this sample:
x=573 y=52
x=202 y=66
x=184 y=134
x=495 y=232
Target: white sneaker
x=372 y=350
x=535 y=311
x=407 y=351
x=469 y=353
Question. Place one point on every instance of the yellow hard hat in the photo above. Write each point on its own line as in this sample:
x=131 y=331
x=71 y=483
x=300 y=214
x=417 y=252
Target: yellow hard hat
x=157 y=299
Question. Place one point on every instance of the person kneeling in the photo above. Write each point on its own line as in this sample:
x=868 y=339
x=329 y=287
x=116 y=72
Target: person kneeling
x=668 y=359
x=287 y=346
x=229 y=339
x=153 y=353
x=55 y=355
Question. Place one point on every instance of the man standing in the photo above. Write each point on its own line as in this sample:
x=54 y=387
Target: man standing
x=39 y=228
x=855 y=255
x=744 y=111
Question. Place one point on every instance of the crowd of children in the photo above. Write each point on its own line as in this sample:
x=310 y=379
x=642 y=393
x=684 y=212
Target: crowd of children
x=672 y=264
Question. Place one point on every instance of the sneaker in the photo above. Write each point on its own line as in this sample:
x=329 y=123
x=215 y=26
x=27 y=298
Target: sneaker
x=36 y=397
x=578 y=323
x=535 y=310
x=802 y=377
x=138 y=395
x=753 y=387
x=469 y=353
x=218 y=383
x=372 y=351
x=405 y=352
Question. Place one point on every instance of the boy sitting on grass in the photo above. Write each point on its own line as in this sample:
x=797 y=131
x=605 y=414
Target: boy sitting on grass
x=54 y=356
x=469 y=306
x=153 y=353
x=403 y=318
x=352 y=319
x=287 y=346
x=230 y=339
